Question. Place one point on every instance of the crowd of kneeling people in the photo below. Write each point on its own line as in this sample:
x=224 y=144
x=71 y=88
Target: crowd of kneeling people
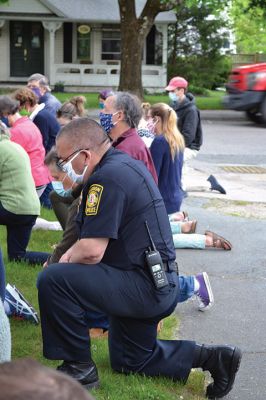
x=116 y=188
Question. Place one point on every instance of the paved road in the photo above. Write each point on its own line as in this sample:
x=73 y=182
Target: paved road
x=229 y=139
x=238 y=277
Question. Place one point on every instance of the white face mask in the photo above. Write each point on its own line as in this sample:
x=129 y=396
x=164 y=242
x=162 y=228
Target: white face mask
x=151 y=124
x=78 y=178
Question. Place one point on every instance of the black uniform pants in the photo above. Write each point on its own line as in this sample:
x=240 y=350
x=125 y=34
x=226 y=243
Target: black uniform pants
x=134 y=308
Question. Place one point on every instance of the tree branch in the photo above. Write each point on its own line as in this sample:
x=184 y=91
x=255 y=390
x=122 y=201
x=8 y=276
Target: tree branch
x=154 y=7
x=127 y=9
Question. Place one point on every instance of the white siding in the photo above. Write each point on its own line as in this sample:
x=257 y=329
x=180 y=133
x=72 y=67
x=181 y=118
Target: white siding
x=96 y=44
x=4 y=51
x=46 y=52
x=59 y=46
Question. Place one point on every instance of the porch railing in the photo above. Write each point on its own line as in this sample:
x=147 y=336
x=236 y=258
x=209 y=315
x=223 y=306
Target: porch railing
x=104 y=75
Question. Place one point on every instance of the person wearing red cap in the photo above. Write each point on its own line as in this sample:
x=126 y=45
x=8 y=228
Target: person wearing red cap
x=189 y=122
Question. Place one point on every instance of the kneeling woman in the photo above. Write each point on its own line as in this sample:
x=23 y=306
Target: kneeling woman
x=167 y=151
x=19 y=202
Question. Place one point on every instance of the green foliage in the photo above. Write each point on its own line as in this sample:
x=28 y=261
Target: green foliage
x=195 y=43
x=249 y=26
x=202 y=71
x=258 y=4
x=199 y=90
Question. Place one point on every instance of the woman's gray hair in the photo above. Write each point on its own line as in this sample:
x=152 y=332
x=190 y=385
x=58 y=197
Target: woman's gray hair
x=131 y=107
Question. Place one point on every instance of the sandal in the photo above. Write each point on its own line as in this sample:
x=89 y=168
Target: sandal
x=185 y=214
x=218 y=241
x=193 y=226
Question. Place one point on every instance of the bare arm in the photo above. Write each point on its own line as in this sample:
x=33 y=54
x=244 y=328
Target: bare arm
x=86 y=251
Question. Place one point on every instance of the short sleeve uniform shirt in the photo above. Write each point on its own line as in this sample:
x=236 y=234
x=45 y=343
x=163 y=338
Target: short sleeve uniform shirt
x=117 y=200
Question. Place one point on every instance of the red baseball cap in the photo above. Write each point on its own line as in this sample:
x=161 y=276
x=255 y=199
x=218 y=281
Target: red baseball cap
x=177 y=82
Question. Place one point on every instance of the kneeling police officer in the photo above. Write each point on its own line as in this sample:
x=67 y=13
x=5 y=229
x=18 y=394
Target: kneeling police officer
x=122 y=265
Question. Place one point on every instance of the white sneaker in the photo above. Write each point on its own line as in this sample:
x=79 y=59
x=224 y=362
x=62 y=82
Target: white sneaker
x=43 y=224
x=19 y=306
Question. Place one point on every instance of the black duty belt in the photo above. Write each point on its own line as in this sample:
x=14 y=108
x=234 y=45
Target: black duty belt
x=170 y=266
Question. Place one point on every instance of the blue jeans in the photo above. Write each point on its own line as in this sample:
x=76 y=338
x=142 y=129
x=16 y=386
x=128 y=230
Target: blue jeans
x=19 y=229
x=36 y=257
x=185 y=240
x=2 y=278
x=44 y=199
x=186 y=287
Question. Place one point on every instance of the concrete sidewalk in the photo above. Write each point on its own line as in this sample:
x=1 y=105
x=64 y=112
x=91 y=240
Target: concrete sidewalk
x=238 y=281
x=250 y=187
x=237 y=277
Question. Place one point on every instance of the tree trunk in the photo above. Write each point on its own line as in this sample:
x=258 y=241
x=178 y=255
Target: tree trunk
x=133 y=34
x=131 y=61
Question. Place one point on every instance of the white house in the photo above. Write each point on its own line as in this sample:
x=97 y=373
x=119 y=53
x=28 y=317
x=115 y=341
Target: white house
x=75 y=41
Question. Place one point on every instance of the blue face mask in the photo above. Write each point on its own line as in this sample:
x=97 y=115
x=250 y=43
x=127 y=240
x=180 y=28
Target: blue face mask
x=36 y=91
x=59 y=189
x=106 y=121
x=173 y=97
x=5 y=121
x=101 y=106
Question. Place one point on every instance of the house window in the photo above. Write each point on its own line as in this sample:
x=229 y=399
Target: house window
x=111 y=45
x=83 y=42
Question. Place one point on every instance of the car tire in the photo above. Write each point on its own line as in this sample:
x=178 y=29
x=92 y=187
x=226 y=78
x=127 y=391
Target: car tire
x=255 y=116
x=263 y=111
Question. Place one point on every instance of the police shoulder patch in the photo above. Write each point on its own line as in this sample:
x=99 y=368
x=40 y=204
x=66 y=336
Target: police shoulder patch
x=93 y=199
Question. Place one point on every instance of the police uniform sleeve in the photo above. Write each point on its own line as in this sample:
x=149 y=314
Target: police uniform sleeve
x=103 y=208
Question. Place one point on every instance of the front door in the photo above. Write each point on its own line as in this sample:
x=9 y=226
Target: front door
x=26 y=48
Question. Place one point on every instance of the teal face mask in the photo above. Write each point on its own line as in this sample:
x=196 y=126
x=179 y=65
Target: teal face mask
x=60 y=190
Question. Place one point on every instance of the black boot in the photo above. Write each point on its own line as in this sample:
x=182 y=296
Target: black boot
x=223 y=363
x=84 y=372
x=215 y=185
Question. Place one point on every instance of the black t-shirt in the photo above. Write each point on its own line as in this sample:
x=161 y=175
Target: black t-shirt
x=117 y=200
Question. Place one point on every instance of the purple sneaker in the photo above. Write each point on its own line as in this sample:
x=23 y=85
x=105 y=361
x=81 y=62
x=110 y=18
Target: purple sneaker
x=204 y=294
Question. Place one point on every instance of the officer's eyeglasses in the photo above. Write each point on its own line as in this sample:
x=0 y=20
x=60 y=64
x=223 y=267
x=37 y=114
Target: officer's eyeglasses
x=60 y=163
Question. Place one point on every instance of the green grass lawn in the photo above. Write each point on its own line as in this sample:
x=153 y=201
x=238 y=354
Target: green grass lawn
x=210 y=102
x=27 y=342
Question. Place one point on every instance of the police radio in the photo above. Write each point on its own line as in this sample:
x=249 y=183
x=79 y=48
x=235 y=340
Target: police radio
x=155 y=263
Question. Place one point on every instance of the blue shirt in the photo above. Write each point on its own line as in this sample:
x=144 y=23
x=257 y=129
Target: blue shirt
x=169 y=173
x=117 y=200
x=48 y=126
x=51 y=103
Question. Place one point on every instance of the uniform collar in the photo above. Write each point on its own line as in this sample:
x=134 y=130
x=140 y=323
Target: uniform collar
x=104 y=157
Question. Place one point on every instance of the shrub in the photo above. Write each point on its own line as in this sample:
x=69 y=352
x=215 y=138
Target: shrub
x=206 y=72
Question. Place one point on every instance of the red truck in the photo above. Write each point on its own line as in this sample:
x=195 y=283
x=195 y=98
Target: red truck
x=246 y=91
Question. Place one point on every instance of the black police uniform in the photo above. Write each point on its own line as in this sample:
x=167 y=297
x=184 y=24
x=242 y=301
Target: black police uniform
x=117 y=200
